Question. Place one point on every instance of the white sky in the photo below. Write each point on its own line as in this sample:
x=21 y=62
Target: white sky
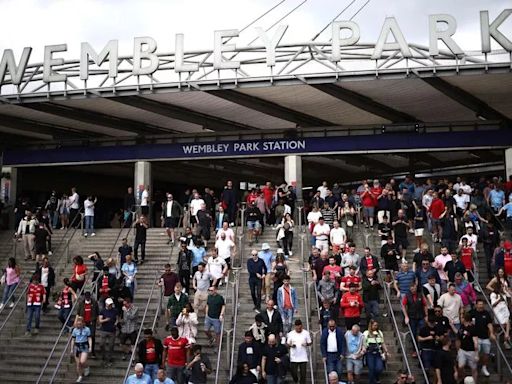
x=37 y=23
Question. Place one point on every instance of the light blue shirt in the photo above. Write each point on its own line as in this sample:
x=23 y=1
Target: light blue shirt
x=353 y=342
x=166 y=381
x=129 y=269
x=267 y=257
x=508 y=208
x=198 y=254
x=133 y=379
x=81 y=334
x=496 y=197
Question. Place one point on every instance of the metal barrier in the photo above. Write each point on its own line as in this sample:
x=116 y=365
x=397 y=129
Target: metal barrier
x=27 y=273
x=157 y=313
x=226 y=296
x=318 y=317
x=395 y=324
x=235 y=318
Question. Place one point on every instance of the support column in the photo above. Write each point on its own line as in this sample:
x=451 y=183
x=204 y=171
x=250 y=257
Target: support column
x=142 y=179
x=508 y=163
x=293 y=173
x=8 y=193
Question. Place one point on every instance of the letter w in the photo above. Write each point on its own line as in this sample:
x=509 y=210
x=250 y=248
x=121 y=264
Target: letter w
x=15 y=71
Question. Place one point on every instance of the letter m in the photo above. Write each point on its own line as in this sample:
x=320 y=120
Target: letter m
x=110 y=51
x=15 y=71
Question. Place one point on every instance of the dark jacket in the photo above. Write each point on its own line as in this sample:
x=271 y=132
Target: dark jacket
x=363 y=265
x=159 y=349
x=370 y=292
x=275 y=326
x=94 y=306
x=51 y=275
x=176 y=209
x=340 y=340
x=253 y=359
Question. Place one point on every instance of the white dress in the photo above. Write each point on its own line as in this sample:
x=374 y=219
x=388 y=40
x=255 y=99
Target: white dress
x=501 y=311
x=187 y=326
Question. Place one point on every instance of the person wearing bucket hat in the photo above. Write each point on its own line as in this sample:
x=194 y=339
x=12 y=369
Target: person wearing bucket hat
x=268 y=257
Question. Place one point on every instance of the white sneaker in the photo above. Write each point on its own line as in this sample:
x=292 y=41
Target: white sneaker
x=2 y=306
x=93 y=234
x=485 y=372
x=85 y=235
x=50 y=253
x=79 y=380
x=11 y=305
x=290 y=253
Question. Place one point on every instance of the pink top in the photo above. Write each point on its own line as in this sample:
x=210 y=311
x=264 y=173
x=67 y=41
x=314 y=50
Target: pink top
x=11 y=276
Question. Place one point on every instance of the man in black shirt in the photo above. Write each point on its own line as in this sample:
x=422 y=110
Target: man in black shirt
x=453 y=266
x=400 y=227
x=141 y=226
x=444 y=363
x=253 y=215
x=484 y=331
x=467 y=343
x=403 y=378
x=420 y=256
x=442 y=323
x=274 y=361
x=384 y=229
x=249 y=352
x=390 y=254
x=428 y=339
x=129 y=207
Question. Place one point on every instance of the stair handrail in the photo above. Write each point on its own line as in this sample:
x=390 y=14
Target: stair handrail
x=134 y=215
x=63 y=330
x=93 y=288
x=27 y=273
x=134 y=349
x=221 y=339
x=307 y=313
x=484 y=295
x=418 y=353
x=237 y=271
x=393 y=319
x=318 y=317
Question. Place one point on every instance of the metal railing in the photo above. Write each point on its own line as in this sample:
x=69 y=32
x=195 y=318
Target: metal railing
x=501 y=354
x=235 y=317
x=393 y=320
x=153 y=323
x=226 y=297
x=94 y=289
x=67 y=243
x=318 y=318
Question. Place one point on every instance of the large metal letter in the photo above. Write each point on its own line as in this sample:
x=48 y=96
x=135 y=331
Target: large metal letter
x=444 y=35
x=218 y=48
x=148 y=53
x=49 y=62
x=8 y=63
x=110 y=51
x=179 y=65
x=270 y=45
x=492 y=30
x=390 y=25
x=337 y=26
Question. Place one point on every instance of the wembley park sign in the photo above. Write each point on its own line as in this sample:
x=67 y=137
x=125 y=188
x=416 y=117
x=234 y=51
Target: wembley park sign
x=146 y=59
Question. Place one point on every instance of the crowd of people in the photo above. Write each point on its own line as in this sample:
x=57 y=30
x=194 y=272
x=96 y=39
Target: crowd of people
x=444 y=307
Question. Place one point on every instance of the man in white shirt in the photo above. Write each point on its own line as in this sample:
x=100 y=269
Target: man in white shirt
x=461 y=202
x=452 y=306
x=217 y=267
x=439 y=263
x=225 y=248
x=338 y=237
x=74 y=207
x=321 y=232
x=323 y=189
x=26 y=230
x=89 y=205
x=195 y=205
x=472 y=238
x=144 y=201
x=227 y=231
x=298 y=340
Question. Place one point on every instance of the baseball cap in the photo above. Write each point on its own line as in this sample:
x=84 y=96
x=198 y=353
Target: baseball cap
x=279 y=250
x=265 y=247
x=109 y=301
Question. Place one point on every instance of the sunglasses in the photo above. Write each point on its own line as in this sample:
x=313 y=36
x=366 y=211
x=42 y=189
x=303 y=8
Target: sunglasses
x=210 y=290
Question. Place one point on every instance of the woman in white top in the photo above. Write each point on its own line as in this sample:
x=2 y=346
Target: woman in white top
x=346 y=216
x=284 y=234
x=187 y=323
x=502 y=279
x=499 y=305
x=312 y=219
x=63 y=209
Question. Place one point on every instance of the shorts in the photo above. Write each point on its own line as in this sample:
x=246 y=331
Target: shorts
x=171 y=222
x=144 y=210
x=466 y=358
x=228 y=262
x=403 y=243
x=41 y=250
x=368 y=211
x=355 y=366
x=210 y=323
x=81 y=348
x=419 y=232
x=484 y=346
x=193 y=220
x=253 y=225
x=123 y=337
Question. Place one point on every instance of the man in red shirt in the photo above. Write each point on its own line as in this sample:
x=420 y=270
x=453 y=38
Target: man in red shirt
x=335 y=271
x=88 y=308
x=466 y=257
x=351 y=304
x=36 y=296
x=414 y=308
x=175 y=352
x=437 y=211
x=351 y=278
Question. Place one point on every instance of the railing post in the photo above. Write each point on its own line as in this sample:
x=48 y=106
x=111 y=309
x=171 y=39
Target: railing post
x=66 y=251
x=228 y=347
x=242 y=216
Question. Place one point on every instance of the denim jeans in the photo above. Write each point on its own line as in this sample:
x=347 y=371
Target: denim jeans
x=274 y=379
x=371 y=308
x=89 y=224
x=333 y=363
x=33 y=311
x=63 y=315
x=151 y=370
x=416 y=325
x=255 y=286
x=287 y=316
x=375 y=367
x=8 y=291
